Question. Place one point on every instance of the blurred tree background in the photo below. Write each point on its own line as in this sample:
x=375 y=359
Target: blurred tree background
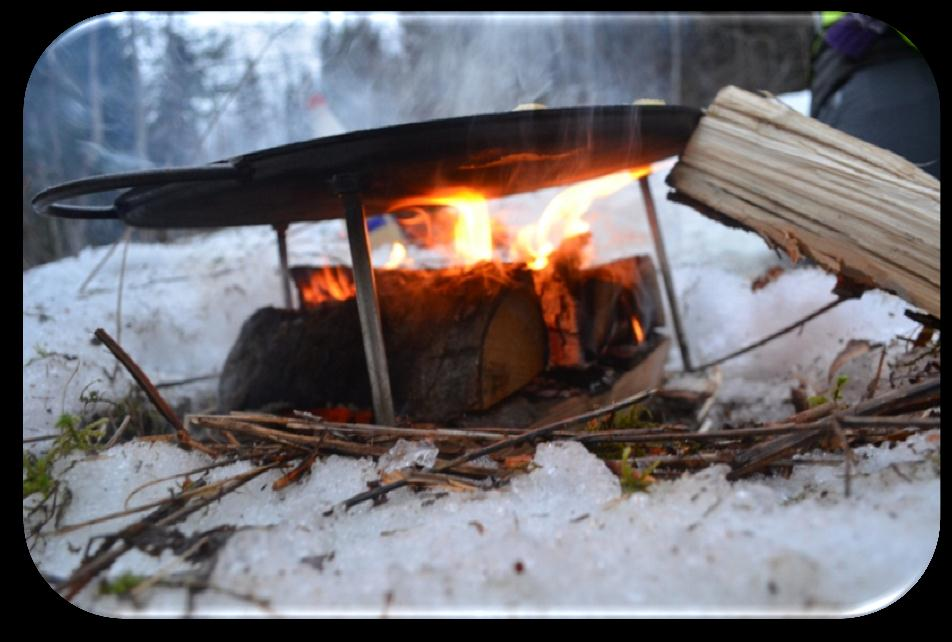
x=137 y=91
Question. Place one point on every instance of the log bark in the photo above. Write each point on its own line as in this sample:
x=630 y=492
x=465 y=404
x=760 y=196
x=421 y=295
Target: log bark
x=859 y=211
x=456 y=341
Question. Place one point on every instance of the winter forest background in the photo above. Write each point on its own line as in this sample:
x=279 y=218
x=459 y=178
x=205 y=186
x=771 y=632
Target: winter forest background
x=135 y=91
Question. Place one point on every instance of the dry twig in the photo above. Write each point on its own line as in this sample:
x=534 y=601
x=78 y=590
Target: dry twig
x=779 y=333
x=150 y=390
x=500 y=445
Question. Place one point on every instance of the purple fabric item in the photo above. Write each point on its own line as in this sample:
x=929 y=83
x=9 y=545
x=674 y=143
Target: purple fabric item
x=853 y=34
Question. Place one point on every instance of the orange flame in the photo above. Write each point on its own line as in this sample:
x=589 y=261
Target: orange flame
x=472 y=233
x=563 y=218
x=328 y=284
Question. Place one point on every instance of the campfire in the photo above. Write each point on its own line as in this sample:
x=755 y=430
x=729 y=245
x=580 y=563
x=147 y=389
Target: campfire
x=496 y=339
x=518 y=311
x=524 y=336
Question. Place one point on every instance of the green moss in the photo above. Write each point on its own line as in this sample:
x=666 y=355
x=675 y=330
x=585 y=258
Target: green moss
x=610 y=450
x=637 y=416
x=632 y=479
x=836 y=393
x=38 y=469
x=121 y=584
x=838 y=387
x=37 y=477
x=816 y=400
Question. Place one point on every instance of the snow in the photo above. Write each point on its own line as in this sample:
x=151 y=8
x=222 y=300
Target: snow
x=697 y=545
x=560 y=540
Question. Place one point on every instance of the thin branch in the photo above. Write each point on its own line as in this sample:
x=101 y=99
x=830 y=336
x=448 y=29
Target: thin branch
x=769 y=338
x=914 y=422
x=500 y=445
x=79 y=362
x=640 y=435
x=874 y=383
x=119 y=431
x=182 y=382
x=130 y=535
x=915 y=397
x=185 y=494
x=848 y=455
x=295 y=474
x=154 y=396
x=122 y=278
x=30 y=440
x=761 y=455
x=125 y=237
x=187 y=473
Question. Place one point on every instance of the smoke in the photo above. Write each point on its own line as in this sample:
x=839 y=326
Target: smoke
x=109 y=96
x=447 y=66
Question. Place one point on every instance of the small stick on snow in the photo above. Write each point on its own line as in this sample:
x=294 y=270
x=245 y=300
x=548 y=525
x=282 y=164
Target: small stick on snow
x=529 y=435
x=182 y=382
x=848 y=456
x=874 y=384
x=297 y=472
x=30 y=440
x=914 y=422
x=778 y=333
x=131 y=534
x=920 y=395
x=187 y=473
x=116 y=435
x=915 y=397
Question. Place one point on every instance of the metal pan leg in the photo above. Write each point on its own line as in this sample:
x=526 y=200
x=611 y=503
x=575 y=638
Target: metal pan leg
x=281 y=230
x=367 y=306
x=665 y=271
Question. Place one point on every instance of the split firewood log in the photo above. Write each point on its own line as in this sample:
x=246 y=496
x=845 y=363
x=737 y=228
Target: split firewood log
x=859 y=211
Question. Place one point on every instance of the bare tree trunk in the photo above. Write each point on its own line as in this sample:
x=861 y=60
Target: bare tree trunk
x=141 y=139
x=675 y=21
x=95 y=96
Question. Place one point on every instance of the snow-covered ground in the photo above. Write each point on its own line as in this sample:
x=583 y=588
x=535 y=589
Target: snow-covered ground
x=562 y=539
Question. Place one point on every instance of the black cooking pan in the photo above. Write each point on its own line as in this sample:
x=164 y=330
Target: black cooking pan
x=495 y=154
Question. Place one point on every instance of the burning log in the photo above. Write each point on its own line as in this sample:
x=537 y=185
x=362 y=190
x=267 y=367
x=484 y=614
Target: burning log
x=600 y=314
x=457 y=340
x=858 y=210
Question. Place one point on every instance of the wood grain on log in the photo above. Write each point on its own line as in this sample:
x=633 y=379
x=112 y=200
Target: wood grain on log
x=857 y=210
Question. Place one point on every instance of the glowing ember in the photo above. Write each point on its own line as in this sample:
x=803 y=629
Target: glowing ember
x=327 y=284
x=637 y=329
x=397 y=254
